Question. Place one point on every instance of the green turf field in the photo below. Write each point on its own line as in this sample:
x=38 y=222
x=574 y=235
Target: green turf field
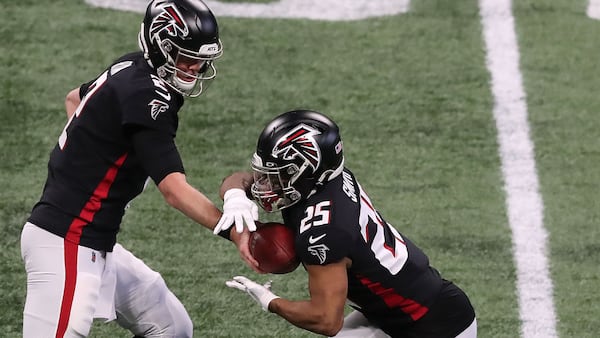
x=411 y=94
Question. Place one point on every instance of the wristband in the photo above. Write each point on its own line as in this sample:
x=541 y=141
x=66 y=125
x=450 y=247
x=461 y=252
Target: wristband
x=225 y=233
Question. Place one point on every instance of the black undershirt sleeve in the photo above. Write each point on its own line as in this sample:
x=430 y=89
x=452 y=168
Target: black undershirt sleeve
x=156 y=152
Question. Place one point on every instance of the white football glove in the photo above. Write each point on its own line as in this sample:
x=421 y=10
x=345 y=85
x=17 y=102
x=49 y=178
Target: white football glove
x=260 y=293
x=237 y=208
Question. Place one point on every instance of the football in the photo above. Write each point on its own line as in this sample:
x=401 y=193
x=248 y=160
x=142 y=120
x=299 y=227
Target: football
x=272 y=245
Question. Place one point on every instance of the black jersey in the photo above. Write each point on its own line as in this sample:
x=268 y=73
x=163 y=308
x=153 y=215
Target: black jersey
x=390 y=279
x=96 y=168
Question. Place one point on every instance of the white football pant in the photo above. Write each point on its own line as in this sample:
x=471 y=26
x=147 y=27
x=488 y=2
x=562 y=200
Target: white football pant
x=101 y=285
x=356 y=325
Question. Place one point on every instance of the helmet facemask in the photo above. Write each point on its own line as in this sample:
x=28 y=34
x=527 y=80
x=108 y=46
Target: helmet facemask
x=273 y=186
x=183 y=82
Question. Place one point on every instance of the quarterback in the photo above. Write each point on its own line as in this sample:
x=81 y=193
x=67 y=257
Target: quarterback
x=351 y=253
x=119 y=136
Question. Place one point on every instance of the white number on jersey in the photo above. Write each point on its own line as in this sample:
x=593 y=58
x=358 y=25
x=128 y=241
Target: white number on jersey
x=62 y=139
x=315 y=216
x=390 y=252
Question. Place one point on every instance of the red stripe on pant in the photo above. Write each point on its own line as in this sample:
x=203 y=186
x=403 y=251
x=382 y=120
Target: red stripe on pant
x=71 y=250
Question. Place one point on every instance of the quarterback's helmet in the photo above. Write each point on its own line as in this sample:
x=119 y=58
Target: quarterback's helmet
x=296 y=153
x=181 y=31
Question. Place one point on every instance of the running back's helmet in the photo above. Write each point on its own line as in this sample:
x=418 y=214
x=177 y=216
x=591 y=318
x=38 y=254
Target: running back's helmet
x=181 y=30
x=296 y=153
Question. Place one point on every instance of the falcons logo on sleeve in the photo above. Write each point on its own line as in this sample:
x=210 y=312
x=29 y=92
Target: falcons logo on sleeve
x=319 y=250
x=157 y=107
x=169 y=20
x=300 y=141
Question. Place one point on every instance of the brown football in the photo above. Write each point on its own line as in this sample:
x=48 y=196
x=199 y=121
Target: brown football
x=272 y=245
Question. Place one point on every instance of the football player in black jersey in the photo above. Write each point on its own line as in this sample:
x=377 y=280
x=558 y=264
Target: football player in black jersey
x=348 y=249
x=119 y=135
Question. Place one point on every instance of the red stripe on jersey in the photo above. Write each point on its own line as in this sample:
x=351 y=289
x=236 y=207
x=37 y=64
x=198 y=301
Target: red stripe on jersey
x=94 y=203
x=394 y=300
x=69 y=289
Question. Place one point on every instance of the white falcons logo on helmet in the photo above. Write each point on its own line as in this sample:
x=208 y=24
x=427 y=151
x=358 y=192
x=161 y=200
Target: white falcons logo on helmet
x=169 y=20
x=300 y=141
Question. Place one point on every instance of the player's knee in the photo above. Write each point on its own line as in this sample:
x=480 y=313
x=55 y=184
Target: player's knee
x=79 y=328
x=176 y=322
x=184 y=327
x=182 y=323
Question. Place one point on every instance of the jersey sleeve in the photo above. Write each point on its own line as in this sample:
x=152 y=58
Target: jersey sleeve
x=148 y=117
x=322 y=246
x=146 y=108
x=157 y=153
x=329 y=222
x=144 y=100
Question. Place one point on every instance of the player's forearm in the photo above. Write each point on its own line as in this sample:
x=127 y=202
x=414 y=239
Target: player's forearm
x=199 y=208
x=191 y=202
x=305 y=315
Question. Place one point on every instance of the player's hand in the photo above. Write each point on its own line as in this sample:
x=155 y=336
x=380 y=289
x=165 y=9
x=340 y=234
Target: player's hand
x=260 y=293
x=237 y=208
x=242 y=242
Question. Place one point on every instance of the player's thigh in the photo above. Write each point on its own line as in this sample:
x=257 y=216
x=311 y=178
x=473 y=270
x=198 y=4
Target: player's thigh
x=357 y=325
x=47 y=302
x=143 y=302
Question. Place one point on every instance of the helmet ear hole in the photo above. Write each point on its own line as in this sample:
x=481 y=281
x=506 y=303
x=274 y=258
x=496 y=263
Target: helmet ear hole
x=294 y=196
x=167 y=46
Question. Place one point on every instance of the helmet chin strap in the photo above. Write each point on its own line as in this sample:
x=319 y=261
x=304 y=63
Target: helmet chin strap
x=169 y=77
x=185 y=86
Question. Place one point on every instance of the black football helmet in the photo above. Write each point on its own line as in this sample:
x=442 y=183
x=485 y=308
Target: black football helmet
x=296 y=153
x=175 y=30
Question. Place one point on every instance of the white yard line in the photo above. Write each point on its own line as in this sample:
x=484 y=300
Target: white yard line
x=523 y=200
x=329 y=10
x=593 y=9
